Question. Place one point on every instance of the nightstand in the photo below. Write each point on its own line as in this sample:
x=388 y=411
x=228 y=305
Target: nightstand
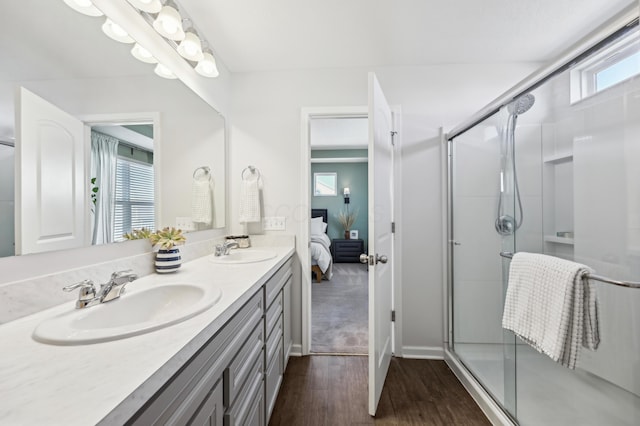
x=347 y=251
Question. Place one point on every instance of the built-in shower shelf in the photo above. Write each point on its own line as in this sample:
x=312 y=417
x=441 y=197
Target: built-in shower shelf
x=558 y=158
x=558 y=240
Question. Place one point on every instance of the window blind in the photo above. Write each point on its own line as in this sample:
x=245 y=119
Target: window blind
x=134 y=201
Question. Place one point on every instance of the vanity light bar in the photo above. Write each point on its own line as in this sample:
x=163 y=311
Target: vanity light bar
x=188 y=43
x=168 y=23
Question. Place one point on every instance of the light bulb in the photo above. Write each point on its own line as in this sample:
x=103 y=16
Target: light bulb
x=207 y=65
x=191 y=48
x=115 y=32
x=149 y=6
x=85 y=7
x=142 y=54
x=168 y=23
x=164 y=72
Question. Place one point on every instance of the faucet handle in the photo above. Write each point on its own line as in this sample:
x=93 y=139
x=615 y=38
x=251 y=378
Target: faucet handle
x=127 y=273
x=87 y=289
x=82 y=284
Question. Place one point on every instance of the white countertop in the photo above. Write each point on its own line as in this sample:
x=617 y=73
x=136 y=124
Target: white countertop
x=80 y=385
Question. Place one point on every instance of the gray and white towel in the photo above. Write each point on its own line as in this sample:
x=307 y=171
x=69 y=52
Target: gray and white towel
x=552 y=306
x=250 y=200
x=202 y=199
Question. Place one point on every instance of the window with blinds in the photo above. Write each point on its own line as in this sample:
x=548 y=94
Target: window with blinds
x=134 y=203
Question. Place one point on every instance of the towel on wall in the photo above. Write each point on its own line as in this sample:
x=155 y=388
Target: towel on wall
x=552 y=306
x=202 y=199
x=250 y=200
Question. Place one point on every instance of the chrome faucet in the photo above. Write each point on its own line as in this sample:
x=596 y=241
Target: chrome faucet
x=88 y=295
x=223 y=249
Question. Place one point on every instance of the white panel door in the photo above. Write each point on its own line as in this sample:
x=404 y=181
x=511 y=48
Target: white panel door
x=50 y=179
x=380 y=240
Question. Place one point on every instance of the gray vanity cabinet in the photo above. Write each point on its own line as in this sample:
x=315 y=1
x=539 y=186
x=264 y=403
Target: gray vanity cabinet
x=182 y=398
x=235 y=377
x=277 y=297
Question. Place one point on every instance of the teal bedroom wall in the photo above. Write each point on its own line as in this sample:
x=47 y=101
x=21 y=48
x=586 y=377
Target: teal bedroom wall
x=352 y=175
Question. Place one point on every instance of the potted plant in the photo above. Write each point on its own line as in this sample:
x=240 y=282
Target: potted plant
x=347 y=219
x=168 y=257
x=165 y=241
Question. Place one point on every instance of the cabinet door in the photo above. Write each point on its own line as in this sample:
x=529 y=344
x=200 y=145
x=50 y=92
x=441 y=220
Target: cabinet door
x=286 y=322
x=212 y=411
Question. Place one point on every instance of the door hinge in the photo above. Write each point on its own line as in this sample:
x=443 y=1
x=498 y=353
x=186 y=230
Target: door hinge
x=393 y=227
x=393 y=316
x=393 y=140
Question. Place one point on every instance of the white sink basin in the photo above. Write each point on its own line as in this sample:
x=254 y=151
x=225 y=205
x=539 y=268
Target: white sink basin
x=134 y=313
x=244 y=256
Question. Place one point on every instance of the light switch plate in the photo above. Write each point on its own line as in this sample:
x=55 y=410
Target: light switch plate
x=274 y=223
x=185 y=223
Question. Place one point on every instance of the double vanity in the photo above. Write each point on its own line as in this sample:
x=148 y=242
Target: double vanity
x=207 y=345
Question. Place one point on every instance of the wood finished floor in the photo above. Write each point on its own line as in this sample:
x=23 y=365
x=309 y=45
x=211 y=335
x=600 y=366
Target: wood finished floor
x=332 y=390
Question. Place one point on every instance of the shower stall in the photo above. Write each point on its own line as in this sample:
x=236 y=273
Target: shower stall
x=552 y=167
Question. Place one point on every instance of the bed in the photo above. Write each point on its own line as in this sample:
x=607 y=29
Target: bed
x=321 y=260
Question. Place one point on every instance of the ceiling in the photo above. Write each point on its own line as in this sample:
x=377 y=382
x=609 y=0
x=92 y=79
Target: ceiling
x=259 y=35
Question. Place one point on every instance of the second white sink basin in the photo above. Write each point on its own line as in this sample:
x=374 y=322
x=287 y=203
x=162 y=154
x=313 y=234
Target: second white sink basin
x=244 y=256
x=134 y=313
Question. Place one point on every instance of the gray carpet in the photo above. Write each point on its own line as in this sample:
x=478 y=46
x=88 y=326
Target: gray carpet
x=340 y=309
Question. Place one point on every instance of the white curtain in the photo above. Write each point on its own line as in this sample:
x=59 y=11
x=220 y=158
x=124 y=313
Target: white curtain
x=104 y=152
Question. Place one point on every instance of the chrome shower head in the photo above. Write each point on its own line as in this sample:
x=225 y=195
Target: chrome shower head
x=522 y=104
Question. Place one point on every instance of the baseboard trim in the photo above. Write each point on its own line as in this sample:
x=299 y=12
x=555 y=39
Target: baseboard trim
x=296 y=350
x=423 y=352
x=488 y=406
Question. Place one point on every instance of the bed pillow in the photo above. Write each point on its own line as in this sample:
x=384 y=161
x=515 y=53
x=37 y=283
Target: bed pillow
x=317 y=226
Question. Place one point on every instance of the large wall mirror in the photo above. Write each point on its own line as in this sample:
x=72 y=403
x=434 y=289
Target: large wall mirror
x=160 y=139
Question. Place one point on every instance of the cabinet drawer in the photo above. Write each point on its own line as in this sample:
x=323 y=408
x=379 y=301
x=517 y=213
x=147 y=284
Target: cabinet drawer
x=178 y=401
x=256 y=412
x=277 y=281
x=272 y=341
x=273 y=378
x=245 y=404
x=238 y=371
x=349 y=245
x=274 y=311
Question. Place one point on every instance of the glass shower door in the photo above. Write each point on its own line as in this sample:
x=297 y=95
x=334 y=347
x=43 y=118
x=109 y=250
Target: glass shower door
x=479 y=273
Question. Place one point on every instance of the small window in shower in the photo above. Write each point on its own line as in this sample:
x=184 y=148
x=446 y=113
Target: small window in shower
x=614 y=64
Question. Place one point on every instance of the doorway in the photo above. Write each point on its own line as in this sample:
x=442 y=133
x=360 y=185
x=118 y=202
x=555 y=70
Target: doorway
x=339 y=231
x=383 y=141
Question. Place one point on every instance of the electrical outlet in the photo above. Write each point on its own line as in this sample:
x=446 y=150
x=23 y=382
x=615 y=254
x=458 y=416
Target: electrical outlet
x=274 y=223
x=185 y=223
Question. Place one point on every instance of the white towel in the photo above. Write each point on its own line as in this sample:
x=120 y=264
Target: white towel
x=552 y=306
x=250 y=200
x=202 y=200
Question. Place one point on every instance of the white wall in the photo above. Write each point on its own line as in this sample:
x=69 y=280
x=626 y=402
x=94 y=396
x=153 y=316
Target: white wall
x=265 y=132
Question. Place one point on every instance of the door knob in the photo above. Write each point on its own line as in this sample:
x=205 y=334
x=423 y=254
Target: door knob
x=364 y=258
x=381 y=259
